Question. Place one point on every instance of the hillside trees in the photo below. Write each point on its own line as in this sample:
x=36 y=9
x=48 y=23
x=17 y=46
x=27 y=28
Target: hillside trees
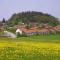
x=32 y=17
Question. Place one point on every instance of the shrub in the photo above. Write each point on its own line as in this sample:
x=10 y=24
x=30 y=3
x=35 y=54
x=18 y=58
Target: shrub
x=21 y=35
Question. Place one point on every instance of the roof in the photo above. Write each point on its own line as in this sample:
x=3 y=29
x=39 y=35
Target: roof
x=57 y=28
x=29 y=30
x=43 y=30
x=32 y=30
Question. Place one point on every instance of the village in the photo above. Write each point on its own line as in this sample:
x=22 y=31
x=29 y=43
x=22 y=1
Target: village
x=23 y=29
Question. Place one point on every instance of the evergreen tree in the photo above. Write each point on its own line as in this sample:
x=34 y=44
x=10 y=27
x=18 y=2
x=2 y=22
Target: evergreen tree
x=3 y=21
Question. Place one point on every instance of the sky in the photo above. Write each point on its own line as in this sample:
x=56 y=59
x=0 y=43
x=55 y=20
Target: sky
x=9 y=7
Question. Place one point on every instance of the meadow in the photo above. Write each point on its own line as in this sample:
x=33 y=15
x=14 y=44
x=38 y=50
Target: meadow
x=45 y=47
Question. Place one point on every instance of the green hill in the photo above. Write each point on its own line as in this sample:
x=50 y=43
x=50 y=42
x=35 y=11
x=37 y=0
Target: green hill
x=30 y=17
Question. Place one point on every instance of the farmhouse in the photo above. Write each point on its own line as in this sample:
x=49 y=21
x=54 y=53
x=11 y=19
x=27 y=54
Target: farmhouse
x=31 y=31
x=43 y=31
x=26 y=31
x=18 y=31
x=57 y=28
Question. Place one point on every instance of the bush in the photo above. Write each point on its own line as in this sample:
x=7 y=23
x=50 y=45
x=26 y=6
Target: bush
x=21 y=35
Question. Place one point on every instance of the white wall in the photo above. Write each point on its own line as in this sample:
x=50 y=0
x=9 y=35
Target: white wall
x=18 y=31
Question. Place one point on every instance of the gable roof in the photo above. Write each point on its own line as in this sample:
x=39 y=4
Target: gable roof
x=34 y=29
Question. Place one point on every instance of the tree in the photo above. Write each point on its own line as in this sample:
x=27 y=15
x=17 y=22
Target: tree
x=3 y=21
x=32 y=17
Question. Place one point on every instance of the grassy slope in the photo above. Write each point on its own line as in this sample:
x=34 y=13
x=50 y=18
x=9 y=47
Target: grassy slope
x=41 y=38
x=30 y=48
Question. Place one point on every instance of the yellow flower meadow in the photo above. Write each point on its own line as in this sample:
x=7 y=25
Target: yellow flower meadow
x=24 y=50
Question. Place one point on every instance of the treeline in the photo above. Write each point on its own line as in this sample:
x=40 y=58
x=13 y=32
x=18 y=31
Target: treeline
x=32 y=17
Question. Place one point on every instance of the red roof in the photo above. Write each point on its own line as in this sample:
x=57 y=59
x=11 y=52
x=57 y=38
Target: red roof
x=43 y=30
x=57 y=28
x=32 y=30
x=28 y=30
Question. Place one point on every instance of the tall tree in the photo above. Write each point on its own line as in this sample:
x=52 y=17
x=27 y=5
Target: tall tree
x=3 y=21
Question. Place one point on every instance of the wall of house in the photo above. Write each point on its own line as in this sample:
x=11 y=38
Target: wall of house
x=18 y=31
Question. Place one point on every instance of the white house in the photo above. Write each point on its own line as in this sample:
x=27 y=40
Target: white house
x=18 y=31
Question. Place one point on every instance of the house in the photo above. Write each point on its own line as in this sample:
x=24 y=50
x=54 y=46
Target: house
x=57 y=28
x=26 y=31
x=20 y=26
x=18 y=31
x=53 y=29
x=43 y=31
x=32 y=31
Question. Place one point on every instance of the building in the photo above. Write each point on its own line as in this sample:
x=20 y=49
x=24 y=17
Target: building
x=31 y=31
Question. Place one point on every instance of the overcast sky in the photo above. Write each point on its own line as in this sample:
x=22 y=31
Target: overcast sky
x=9 y=7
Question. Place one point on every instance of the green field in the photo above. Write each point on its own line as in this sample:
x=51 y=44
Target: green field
x=30 y=48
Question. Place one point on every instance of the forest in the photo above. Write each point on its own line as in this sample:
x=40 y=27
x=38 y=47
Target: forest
x=31 y=17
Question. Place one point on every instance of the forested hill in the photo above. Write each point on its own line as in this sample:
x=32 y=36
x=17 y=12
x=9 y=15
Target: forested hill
x=32 y=17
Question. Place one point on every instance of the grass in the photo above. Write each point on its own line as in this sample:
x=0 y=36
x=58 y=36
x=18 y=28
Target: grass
x=30 y=48
x=41 y=38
